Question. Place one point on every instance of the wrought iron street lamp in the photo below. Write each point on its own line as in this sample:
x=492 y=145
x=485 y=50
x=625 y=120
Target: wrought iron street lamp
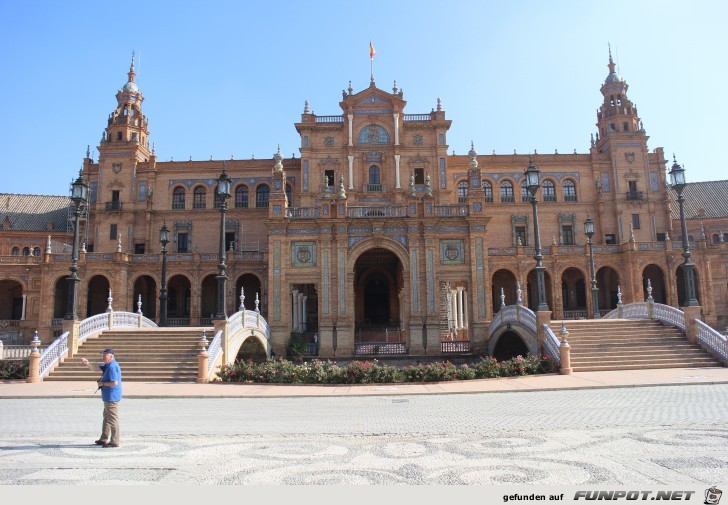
x=589 y=232
x=677 y=180
x=79 y=198
x=224 y=186
x=532 y=184
x=164 y=240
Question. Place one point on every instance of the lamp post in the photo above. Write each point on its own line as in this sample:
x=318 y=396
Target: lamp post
x=224 y=184
x=164 y=240
x=677 y=179
x=589 y=232
x=79 y=197
x=532 y=184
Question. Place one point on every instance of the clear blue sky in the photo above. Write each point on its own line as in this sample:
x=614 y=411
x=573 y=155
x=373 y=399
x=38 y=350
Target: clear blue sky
x=230 y=78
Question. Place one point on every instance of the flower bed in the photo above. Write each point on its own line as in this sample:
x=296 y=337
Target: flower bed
x=13 y=369
x=372 y=372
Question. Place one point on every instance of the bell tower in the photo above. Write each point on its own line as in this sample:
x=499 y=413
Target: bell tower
x=127 y=126
x=617 y=117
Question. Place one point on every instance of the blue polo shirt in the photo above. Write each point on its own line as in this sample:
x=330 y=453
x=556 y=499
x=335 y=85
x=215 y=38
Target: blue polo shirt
x=111 y=373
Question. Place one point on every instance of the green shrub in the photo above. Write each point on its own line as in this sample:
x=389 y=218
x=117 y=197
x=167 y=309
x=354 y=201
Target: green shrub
x=13 y=369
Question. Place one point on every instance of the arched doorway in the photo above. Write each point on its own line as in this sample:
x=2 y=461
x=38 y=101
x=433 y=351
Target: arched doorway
x=208 y=299
x=657 y=280
x=97 y=295
x=509 y=345
x=60 y=298
x=533 y=293
x=11 y=300
x=146 y=286
x=573 y=293
x=378 y=287
x=681 y=291
x=607 y=284
x=504 y=279
x=179 y=296
x=251 y=286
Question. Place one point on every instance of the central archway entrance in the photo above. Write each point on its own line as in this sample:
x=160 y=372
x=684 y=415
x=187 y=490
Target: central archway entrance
x=378 y=284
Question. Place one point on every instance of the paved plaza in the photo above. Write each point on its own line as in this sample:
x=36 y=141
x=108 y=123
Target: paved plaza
x=659 y=435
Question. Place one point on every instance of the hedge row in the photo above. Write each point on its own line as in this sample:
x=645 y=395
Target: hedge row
x=13 y=369
x=372 y=372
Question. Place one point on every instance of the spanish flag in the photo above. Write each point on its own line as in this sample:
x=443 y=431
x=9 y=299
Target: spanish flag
x=372 y=52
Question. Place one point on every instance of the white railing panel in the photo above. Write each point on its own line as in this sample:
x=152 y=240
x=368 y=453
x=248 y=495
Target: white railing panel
x=669 y=315
x=552 y=344
x=52 y=355
x=18 y=351
x=716 y=342
x=213 y=353
x=91 y=325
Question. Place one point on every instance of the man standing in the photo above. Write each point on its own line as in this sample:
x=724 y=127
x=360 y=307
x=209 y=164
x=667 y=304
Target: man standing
x=110 y=385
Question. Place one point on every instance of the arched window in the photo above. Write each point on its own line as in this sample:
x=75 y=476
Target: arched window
x=375 y=178
x=725 y=237
x=462 y=191
x=241 y=197
x=16 y=251
x=262 y=196
x=506 y=191
x=525 y=193
x=178 y=198
x=26 y=251
x=569 y=191
x=36 y=251
x=548 y=189
x=289 y=195
x=716 y=238
x=217 y=202
x=199 y=198
x=373 y=134
x=488 y=190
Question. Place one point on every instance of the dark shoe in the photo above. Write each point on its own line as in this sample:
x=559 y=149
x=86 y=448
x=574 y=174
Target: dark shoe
x=100 y=442
x=110 y=445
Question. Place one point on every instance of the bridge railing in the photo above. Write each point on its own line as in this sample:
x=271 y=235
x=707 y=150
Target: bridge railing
x=713 y=340
x=514 y=314
x=552 y=344
x=53 y=354
x=650 y=310
x=214 y=353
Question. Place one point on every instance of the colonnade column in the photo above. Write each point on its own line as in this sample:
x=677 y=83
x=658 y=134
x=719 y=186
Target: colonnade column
x=299 y=301
x=460 y=308
x=396 y=170
x=351 y=171
x=351 y=129
x=396 y=128
x=294 y=311
x=304 y=319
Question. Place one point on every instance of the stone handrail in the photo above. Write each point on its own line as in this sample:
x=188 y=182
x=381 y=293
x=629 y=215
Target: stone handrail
x=712 y=340
x=552 y=344
x=17 y=351
x=53 y=354
x=514 y=314
x=650 y=310
x=92 y=325
x=214 y=353
x=131 y=320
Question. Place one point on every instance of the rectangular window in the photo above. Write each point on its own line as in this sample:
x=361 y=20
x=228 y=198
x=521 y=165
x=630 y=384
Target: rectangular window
x=636 y=221
x=115 y=195
x=610 y=238
x=329 y=177
x=419 y=175
x=138 y=248
x=520 y=237
x=89 y=248
x=441 y=139
x=112 y=232
x=229 y=240
x=661 y=237
x=182 y=242
x=305 y=141
x=567 y=235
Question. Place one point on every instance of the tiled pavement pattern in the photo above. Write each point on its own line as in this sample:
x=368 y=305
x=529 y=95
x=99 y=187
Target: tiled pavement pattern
x=655 y=435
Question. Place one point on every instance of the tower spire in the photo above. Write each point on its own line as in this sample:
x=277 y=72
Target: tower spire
x=131 y=73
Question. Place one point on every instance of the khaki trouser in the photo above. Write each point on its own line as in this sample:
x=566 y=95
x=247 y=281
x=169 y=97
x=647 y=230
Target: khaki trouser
x=110 y=427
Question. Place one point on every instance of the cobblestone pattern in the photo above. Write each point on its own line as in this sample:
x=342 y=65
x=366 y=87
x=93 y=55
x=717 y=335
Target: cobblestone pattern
x=660 y=435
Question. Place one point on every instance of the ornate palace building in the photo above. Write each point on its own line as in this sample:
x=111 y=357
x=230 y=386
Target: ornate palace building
x=374 y=233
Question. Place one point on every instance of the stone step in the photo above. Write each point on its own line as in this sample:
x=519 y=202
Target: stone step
x=148 y=377
x=637 y=352
x=644 y=360
x=604 y=368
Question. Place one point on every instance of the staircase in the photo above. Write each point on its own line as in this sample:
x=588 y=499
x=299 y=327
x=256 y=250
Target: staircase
x=145 y=355
x=630 y=344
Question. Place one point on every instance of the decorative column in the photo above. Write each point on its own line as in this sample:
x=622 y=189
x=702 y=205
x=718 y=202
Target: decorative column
x=304 y=319
x=351 y=129
x=396 y=171
x=396 y=128
x=454 y=308
x=351 y=171
x=460 y=308
x=294 y=313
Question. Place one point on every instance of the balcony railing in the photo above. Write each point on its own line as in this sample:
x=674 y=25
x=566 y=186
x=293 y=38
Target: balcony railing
x=635 y=195
x=570 y=198
x=329 y=119
x=199 y=205
x=451 y=210
x=549 y=198
x=113 y=205
x=178 y=205
x=417 y=117
x=507 y=198
x=303 y=212
x=374 y=188
x=178 y=321
x=575 y=314
x=359 y=212
x=379 y=348
x=455 y=346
